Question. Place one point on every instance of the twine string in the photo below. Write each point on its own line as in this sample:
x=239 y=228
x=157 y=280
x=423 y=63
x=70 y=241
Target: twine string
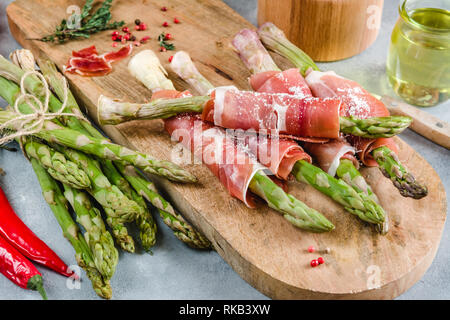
x=26 y=124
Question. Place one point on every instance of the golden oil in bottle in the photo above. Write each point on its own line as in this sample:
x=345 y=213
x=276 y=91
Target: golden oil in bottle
x=418 y=63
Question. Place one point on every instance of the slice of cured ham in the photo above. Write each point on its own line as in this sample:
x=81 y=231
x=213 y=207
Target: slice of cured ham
x=218 y=151
x=279 y=155
x=328 y=154
x=276 y=114
x=87 y=62
x=122 y=53
x=289 y=81
x=359 y=102
x=86 y=52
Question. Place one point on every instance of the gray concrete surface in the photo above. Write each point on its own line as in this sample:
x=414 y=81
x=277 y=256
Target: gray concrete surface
x=175 y=271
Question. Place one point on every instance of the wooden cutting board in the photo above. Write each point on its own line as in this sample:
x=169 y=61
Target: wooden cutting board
x=260 y=245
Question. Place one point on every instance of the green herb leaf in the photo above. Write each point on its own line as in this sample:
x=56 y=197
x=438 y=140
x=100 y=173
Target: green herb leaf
x=90 y=24
x=164 y=43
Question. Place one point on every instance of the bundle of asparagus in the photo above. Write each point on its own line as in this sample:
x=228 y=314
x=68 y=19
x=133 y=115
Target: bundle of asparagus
x=257 y=60
x=102 y=171
x=337 y=189
x=151 y=73
x=389 y=164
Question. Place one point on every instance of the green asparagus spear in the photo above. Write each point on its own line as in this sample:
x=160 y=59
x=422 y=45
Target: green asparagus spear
x=57 y=165
x=115 y=112
x=98 y=238
x=117 y=206
x=292 y=209
x=391 y=168
x=144 y=219
x=108 y=195
x=348 y=173
x=366 y=209
x=182 y=229
x=376 y=127
x=120 y=233
x=276 y=41
x=53 y=195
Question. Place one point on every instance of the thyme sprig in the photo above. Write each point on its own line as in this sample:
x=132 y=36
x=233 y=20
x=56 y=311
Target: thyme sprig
x=84 y=24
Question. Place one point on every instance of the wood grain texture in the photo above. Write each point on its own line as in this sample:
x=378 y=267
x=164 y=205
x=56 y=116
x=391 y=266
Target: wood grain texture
x=260 y=245
x=327 y=30
x=425 y=124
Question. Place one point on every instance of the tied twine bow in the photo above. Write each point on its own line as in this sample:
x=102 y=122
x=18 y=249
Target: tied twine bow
x=32 y=123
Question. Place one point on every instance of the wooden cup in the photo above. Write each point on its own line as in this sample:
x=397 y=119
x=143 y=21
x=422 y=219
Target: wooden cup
x=327 y=30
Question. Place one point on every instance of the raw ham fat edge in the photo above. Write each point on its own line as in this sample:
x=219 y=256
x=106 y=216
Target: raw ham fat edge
x=279 y=155
x=211 y=144
x=87 y=62
x=360 y=103
x=328 y=154
x=278 y=113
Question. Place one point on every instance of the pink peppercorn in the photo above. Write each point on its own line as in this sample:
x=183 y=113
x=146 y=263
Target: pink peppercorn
x=314 y=263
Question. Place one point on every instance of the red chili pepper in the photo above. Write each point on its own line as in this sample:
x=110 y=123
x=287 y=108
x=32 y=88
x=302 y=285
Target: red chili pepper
x=25 y=241
x=19 y=270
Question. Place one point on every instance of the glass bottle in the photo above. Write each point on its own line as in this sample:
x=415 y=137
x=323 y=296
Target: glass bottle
x=418 y=65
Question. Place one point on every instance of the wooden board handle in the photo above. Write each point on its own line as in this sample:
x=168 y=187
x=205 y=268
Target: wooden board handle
x=423 y=123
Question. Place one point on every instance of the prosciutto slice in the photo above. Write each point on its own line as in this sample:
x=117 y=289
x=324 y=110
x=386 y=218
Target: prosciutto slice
x=328 y=154
x=122 y=53
x=276 y=114
x=289 y=81
x=86 y=52
x=359 y=103
x=219 y=152
x=87 y=62
x=279 y=155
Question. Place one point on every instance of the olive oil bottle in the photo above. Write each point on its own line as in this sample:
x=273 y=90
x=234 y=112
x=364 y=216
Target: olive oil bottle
x=418 y=65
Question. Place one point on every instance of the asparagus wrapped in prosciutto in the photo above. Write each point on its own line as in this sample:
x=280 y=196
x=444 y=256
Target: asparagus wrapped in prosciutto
x=360 y=103
x=337 y=156
x=285 y=157
x=240 y=173
x=311 y=119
